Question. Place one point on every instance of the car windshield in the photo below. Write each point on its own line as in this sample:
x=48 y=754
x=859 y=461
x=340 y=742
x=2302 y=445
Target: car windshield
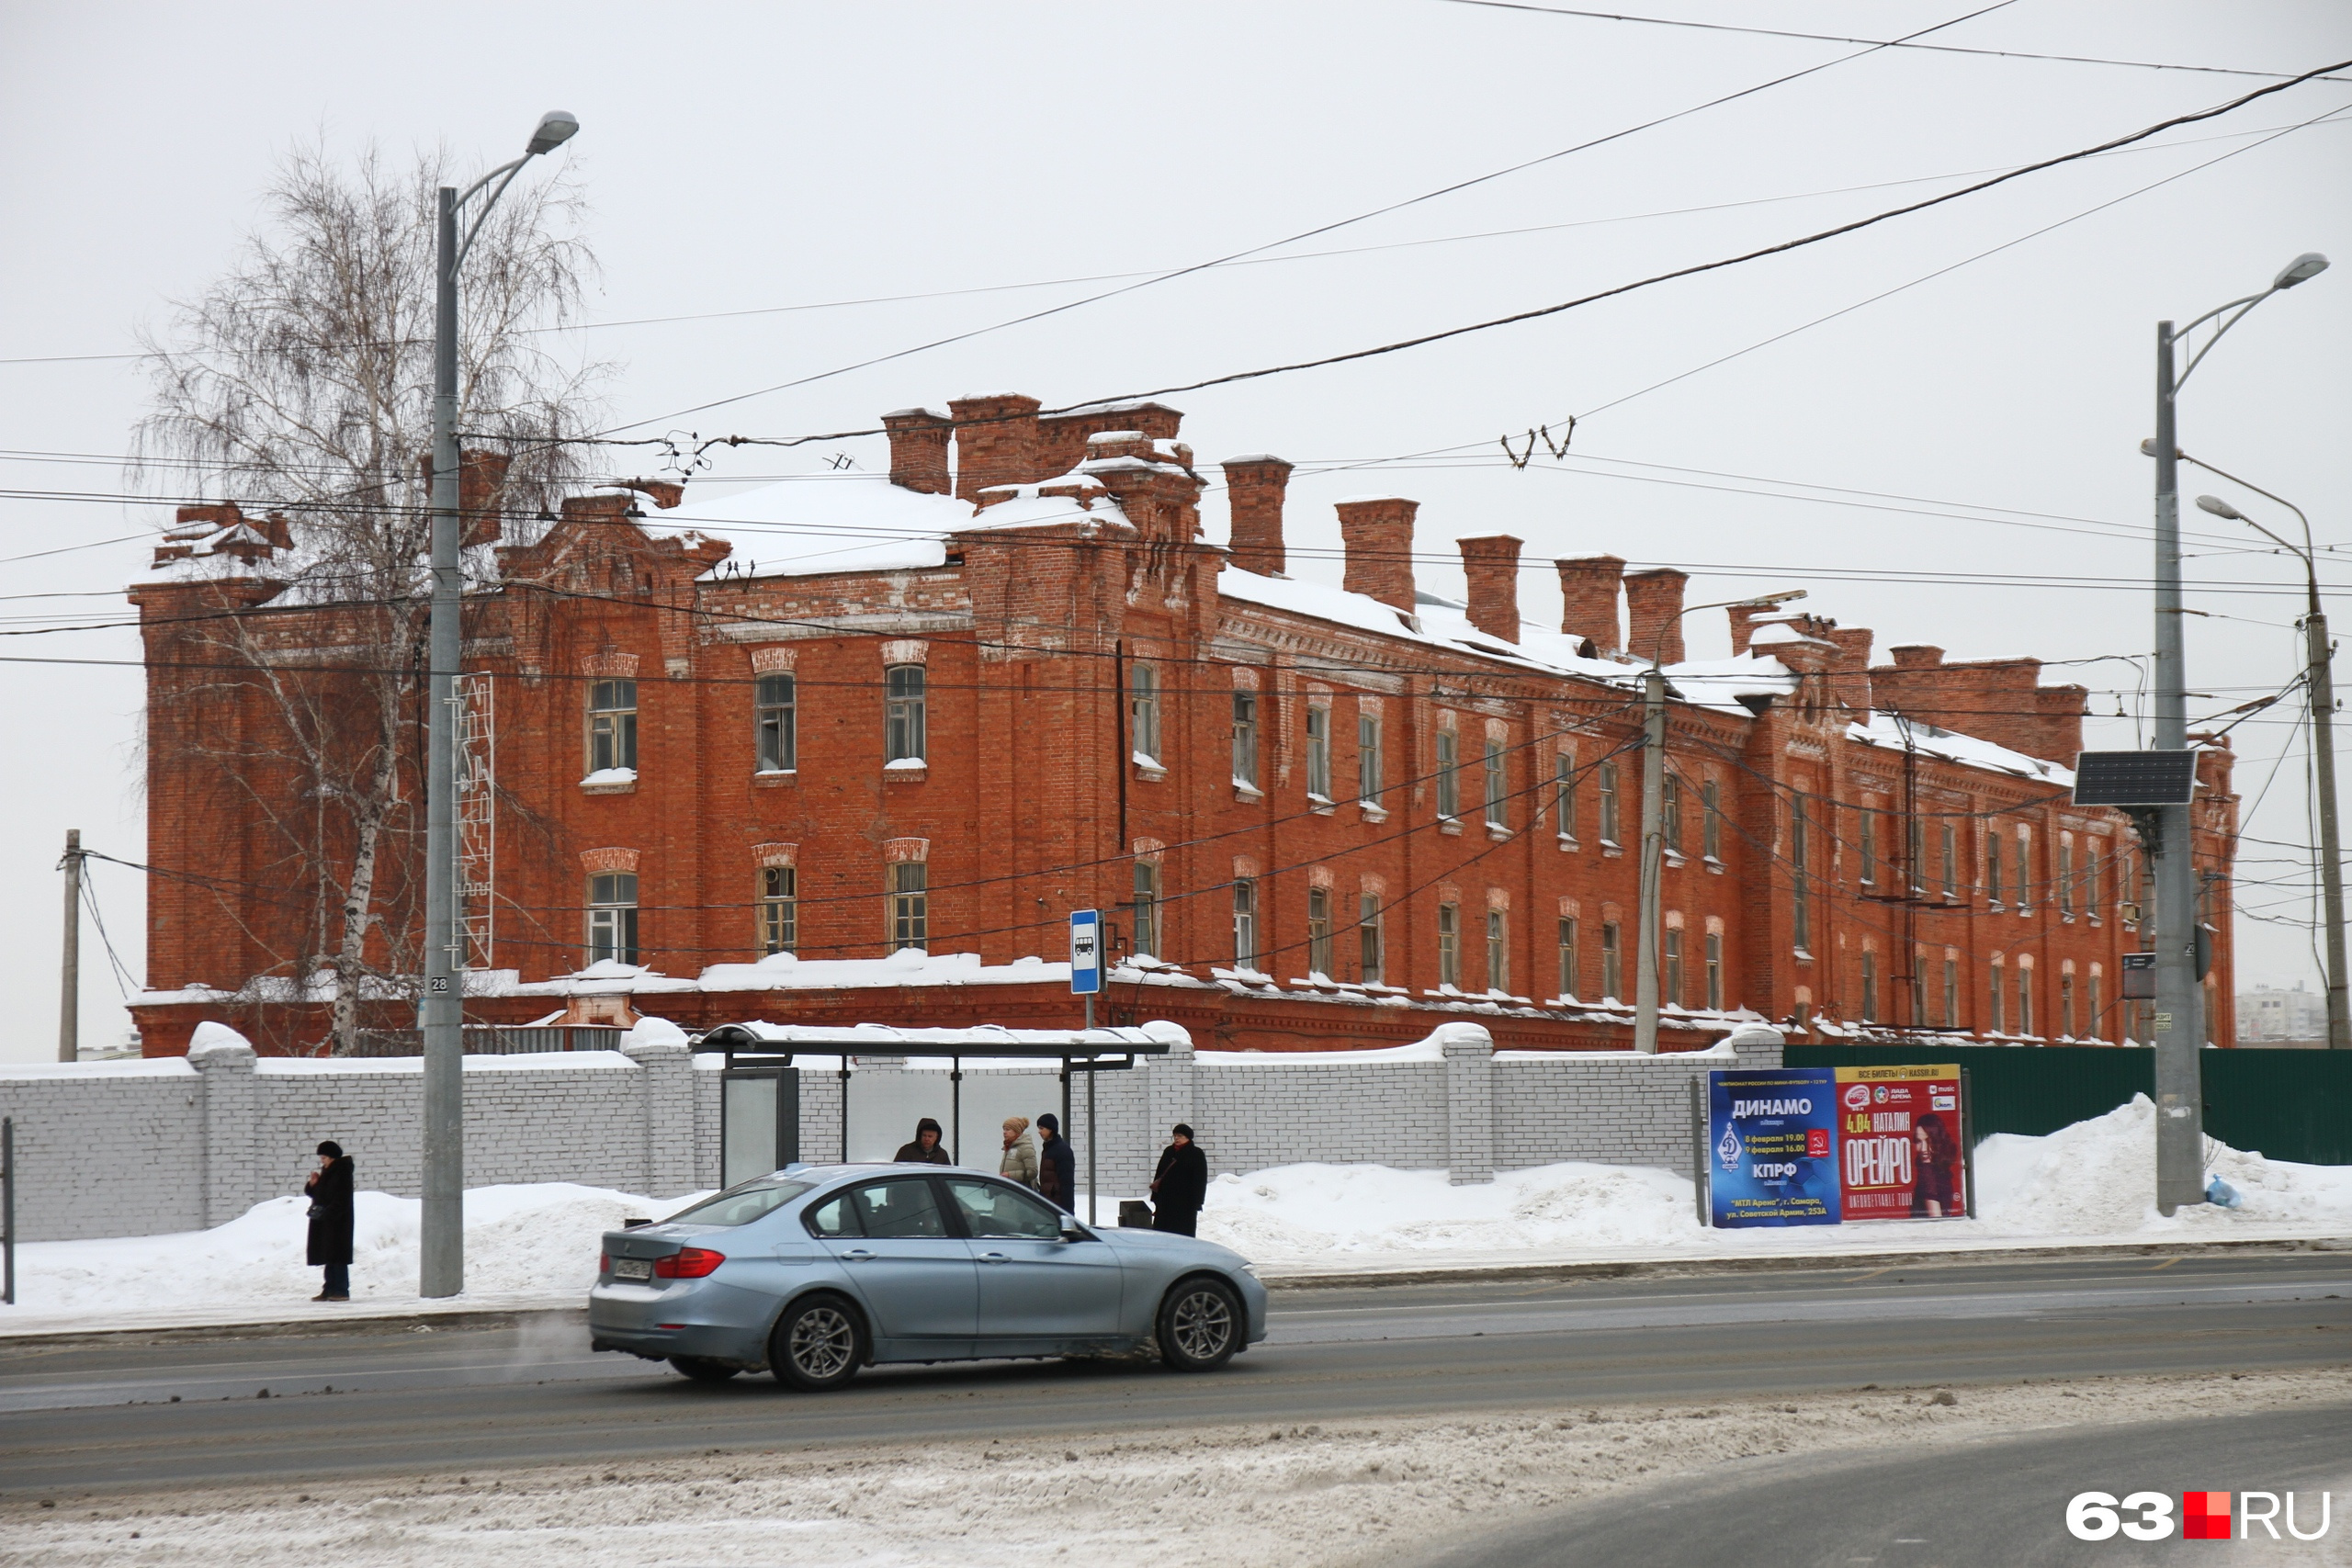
x=741 y=1204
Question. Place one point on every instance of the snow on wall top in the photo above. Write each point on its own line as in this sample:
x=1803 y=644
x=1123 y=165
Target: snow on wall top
x=1886 y=730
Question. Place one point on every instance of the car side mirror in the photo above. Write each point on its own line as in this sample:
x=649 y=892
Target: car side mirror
x=1072 y=1229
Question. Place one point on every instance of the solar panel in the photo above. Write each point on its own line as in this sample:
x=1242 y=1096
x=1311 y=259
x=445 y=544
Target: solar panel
x=2134 y=778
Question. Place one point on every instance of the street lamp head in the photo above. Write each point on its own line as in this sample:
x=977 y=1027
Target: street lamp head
x=2219 y=508
x=2304 y=267
x=558 y=127
x=1765 y=601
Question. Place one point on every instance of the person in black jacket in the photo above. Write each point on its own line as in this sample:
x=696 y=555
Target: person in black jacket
x=330 y=1220
x=1057 y=1166
x=926 y=1149
x=1181 y=1185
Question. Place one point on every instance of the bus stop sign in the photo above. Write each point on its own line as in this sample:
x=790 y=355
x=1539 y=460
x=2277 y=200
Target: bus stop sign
x=1085 y=952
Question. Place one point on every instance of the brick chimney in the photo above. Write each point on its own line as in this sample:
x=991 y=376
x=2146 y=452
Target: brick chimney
x=1377 y=531
x=1491 y=564
x=1654 y=614
x=1254 y=486
x=1850 y=679
x=918 y=449
x=482 y=496
x=1589 y=586
x=996 y=442
x=2062 y=722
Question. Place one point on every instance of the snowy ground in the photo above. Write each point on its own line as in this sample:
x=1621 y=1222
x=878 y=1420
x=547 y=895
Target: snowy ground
x=538 y=1245
x=1358 y=1492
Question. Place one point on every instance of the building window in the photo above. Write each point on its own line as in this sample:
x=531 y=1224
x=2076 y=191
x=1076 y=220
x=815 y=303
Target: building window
x=2025 y=1001
x=612 y=725
x=1613 y=961
x=1318 y=931
x=1449 y=944
x=1245 y=923
x=1318 y=750
x=1369 y=932
x=612 y=916
x=1799 y=857
x=1497 y=952
x=1607 y=776
x=2066 y=883
x=1714 y=972
x=2000 y=976
x=1498 y=812
x=2025 y=872
x=1711 y=826
x=1673 y=969
x=903 y=726
x=1448 y=773
x=1563 y=795
x=1915 y=855
x=1670 y=813
x=2066 y=1005
x=1567 y=956
x=1143 y=711
x=773 y=725
x=779 y=909
x=2097 y=1020
x=1951 y=860
x=1951 y=993
x=1870 y=986
x=1368 y=758
x=1868 y=837
x=1147 y=925
x=1993 y=865
x=909 y=906
x=1245 y=739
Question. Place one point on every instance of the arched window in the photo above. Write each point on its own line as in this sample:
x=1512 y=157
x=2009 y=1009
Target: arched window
x=612 y=916
x=612 y=725
x=903 y=719
x=1143 y=687
x=774 y=723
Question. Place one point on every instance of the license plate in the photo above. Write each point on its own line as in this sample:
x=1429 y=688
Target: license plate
x=632 y=1268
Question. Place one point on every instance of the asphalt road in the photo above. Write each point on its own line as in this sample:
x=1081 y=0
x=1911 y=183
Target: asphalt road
x=87 y=1416
x=1989 y=1504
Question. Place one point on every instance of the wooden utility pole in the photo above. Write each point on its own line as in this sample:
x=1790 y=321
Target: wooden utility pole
x=69 y=998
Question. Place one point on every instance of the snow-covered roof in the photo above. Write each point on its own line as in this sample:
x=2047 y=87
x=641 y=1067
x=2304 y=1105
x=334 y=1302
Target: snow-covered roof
x=883 y=1039
x=1887 y=730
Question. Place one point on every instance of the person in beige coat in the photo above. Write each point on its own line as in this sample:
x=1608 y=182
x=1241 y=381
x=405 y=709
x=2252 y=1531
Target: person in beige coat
x=1020 y=1161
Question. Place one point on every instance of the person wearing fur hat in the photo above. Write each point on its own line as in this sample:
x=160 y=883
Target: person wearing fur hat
x=1180 y=1186
x=1057 y=1166
x=1020 y=1161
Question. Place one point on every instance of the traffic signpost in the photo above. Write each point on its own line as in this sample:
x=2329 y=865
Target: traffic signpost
x=1085 y=979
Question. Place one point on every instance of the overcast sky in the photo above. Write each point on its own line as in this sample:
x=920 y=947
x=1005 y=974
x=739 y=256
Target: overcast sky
x=740 y=158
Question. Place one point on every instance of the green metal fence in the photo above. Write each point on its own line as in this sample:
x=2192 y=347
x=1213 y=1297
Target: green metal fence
x=2292 y=1105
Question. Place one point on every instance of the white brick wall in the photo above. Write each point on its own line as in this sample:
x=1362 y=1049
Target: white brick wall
x=133 y=1148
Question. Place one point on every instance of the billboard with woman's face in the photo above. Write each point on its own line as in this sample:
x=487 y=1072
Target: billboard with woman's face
x=1901 y=1154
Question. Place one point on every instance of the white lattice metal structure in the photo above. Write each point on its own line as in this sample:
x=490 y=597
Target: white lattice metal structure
x=476 y=818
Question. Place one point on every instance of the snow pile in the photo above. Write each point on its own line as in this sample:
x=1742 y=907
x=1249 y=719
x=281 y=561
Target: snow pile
x=541 y=1240
x=2095 y=1180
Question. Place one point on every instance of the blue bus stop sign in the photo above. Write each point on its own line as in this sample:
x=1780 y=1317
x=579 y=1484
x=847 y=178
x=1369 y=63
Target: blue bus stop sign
x=1085 y=952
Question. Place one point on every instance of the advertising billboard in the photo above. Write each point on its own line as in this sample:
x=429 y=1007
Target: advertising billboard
x=1771 y=1148
x=1902 y=1148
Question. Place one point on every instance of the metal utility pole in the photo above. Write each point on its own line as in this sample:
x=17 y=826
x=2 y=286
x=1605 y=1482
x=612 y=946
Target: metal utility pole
x=1653 y=859
x=1645 y=938
x=69 y=995
x=2319 y=680
x=2180 y=1023
x=441 y=1255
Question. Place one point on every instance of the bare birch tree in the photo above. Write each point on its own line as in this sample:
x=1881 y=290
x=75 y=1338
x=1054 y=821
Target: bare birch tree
x=300 y=383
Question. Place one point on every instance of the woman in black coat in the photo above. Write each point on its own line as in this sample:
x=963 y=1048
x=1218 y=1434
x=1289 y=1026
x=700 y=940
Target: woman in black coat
x=1181 y=1185
x=331 y=1220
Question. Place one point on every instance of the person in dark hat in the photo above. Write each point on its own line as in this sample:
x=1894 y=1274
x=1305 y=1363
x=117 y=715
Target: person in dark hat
x=1180 y=1186
x=1057 y=1166
x=925 y=1149
x=330 y=1220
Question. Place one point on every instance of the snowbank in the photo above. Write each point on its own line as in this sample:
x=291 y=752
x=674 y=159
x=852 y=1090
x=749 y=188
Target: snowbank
x=539 y=1240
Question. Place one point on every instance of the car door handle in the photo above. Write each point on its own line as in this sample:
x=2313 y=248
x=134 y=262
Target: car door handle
x=994 y=1257
x=858 y=1255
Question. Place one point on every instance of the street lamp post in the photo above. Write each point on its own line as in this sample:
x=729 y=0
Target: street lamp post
x=2318 y=679
x=2179 y=1027
x=441 y=1260
x=1646 y=938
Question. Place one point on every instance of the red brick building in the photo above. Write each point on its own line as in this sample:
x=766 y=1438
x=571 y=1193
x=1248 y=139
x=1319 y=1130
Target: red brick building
x=840 y=718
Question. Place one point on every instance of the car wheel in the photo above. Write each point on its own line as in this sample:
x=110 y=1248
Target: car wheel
x=702 y=1371
x=1200 y=1325
x=819 y=1343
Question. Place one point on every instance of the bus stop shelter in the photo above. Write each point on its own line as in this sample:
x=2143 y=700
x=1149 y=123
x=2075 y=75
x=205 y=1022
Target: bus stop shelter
x=759 y=1116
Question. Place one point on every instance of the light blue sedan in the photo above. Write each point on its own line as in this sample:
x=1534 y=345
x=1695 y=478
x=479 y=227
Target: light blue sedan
x=818 y=1270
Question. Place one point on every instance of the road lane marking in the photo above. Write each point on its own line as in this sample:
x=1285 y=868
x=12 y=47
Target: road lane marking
x=2164 y=1265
